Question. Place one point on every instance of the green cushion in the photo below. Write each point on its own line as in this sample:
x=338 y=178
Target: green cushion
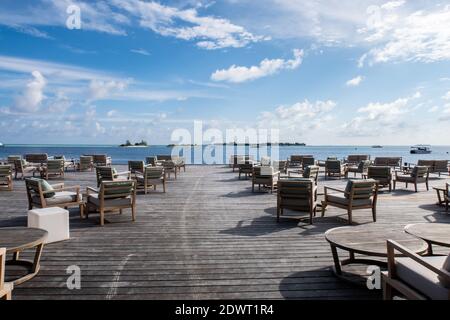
x=45 y=186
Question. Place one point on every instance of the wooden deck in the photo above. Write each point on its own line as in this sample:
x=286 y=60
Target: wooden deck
x=208 y=237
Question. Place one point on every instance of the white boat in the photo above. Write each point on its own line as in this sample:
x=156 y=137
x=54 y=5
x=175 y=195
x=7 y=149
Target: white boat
x=1 y=145
x=421 y=149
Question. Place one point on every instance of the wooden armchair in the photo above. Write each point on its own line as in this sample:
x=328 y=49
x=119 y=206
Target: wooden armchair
x=6 y=177
x=281 y=166
x=361 y=168
x=110 y=174
x=169 y=167
x=5 y=287
x=23 y=168
x=151 y=177
x=136 y=167
x=419 y=174
x=298 y=195
x=40 y=194
x=152 y=161
x=101 y=160
x=36 y=158
x=358 y=194
x=246 y=169
x=112 y=196
x=311 y=172
x=334 y=168
x=86 y=163
x=53 y=168
x=415 y=277
x=264 y=176
x=179 y=163
x=381 y=174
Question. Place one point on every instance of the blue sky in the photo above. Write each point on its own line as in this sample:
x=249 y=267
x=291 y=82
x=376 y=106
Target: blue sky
x=322 y=72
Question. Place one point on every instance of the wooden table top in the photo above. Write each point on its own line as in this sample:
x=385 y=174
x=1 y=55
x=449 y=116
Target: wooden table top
x=20 y=238
x=371 y=239
x=436 y=233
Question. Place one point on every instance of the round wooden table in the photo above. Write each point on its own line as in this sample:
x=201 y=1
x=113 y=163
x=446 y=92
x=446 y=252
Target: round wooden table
x=18 y=239
x=368 y=240
x=431 y=233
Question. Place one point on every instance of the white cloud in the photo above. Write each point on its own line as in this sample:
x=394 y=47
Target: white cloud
x=186 y=24
x=446 y=96
x=300 y=120
x=379 y=117
x=267 y=67
x=30 y=99
x=422 y=36
x=355 y=81
x=99 y=89
x=140 y=51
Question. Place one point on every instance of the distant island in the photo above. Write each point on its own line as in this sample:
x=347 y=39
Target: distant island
x=137 y=144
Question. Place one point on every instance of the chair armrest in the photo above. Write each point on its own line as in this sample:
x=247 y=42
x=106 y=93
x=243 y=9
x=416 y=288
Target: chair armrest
x=393 y=246
x=90 y=189
x=58 y=186
x=333 y=189
x=123 y=173
x=71 y=188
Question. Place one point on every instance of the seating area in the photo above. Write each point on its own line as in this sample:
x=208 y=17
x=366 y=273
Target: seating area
x=209 y=210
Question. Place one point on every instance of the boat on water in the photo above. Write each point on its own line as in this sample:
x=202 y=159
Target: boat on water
x=1 y=145
x=420 y=149
x=377 y=147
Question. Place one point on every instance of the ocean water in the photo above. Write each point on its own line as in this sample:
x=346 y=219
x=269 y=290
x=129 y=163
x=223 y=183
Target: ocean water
x=220 y=154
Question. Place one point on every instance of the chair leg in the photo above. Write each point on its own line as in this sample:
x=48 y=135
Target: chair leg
x=428 y=188
x=278 y=214
x=387 y=291
x=82 y=211
x=415 y=187
x=133 y=213
x=164 y=187
x=349 y=211
x=102 y=217
x=324 y=207
x=394 y=184
x=374 y=214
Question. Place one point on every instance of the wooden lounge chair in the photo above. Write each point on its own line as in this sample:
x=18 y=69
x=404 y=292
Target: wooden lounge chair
x=110 y=174
x=311 y=172
x=334 y=168
x=86 y=163
x=296 y=161
x=169 y=167
x=43 y=195
x=358 y=194
x=136 y=167
x=435 y=166
x=53 y=168
x=6 y=177
x=381 y=174
x=394 y=162
x=419 y=174
x=361 y=168
x=151 y=177
x=265 y=161
x=415 y=277
x=152 y=161
x=179 y=163
x=281 y=166
x=308 y=161
x=264 y=176
x=355 y=159
x=112 y=196
x=6 y=288
x=101 y=160
x=67 y=163
x=443 y=195
x=246 y=169
x=298 y=195
x=10 y=160
x=23 y=168
x=38 y=159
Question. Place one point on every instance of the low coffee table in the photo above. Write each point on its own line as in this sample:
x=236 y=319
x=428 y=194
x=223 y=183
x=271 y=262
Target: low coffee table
x=16 y=240
x=368 y=240
x=431 y=233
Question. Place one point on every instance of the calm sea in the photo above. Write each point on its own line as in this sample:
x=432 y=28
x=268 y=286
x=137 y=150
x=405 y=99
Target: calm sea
x=196 y=154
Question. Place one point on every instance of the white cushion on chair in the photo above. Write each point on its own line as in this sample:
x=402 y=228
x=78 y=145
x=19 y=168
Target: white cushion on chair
x=55 y=220
x=422 y=278
x=266 y=171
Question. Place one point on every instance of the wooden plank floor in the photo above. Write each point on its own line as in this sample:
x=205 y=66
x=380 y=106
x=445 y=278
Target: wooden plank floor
x=208 y=237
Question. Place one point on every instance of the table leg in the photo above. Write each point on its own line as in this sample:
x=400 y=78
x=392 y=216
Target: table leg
x=32 y=266
x=337 y=263
x=430 y=249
